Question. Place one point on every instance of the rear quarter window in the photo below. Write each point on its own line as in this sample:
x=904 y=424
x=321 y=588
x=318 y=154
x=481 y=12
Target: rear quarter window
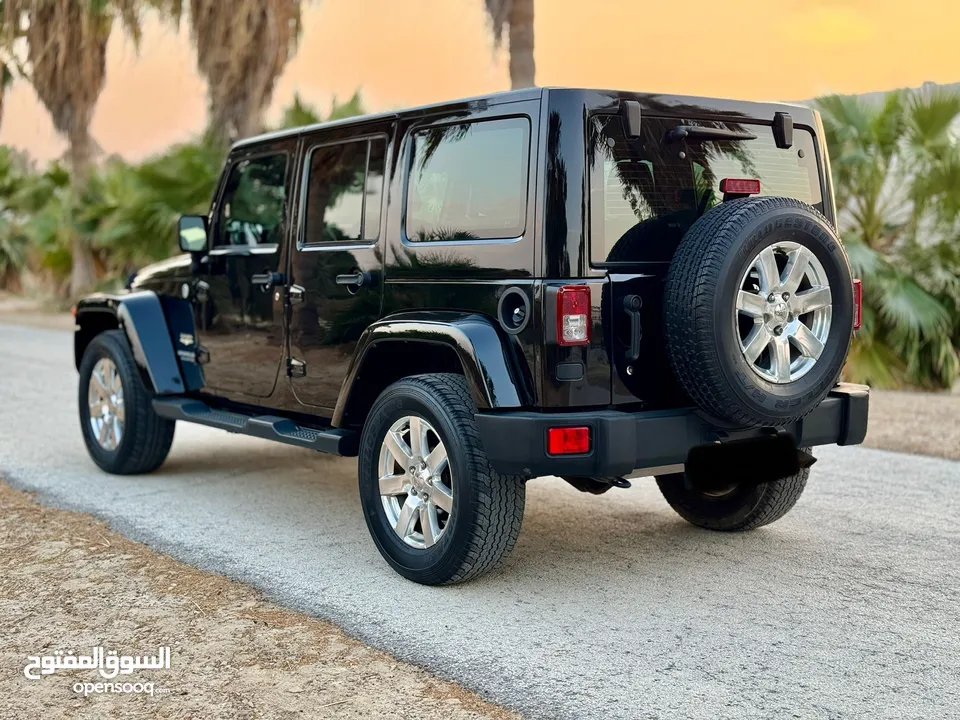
x=468 y=181
x=647 y=192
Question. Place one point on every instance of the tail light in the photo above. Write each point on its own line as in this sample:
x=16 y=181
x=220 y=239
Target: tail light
x=573 y=315
x=857 y=304
x=568 y=441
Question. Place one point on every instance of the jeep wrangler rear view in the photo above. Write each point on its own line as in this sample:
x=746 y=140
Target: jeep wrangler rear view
x=589 y=284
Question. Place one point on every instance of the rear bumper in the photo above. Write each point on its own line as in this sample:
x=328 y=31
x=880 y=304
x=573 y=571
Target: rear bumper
x=516 y=442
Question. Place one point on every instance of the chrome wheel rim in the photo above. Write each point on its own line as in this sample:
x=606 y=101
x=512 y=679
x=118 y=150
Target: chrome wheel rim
x=416 y=485
x=783 y=312
x=105 y=400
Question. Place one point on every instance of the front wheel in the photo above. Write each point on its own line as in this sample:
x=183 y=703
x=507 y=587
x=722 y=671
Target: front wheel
x=123 y=434
x=726 y=504
x=437 y=511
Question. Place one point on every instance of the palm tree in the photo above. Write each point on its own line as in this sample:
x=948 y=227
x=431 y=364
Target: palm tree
x=242 y=48
x=66 y=46
x=518 y=16
x=896 y=169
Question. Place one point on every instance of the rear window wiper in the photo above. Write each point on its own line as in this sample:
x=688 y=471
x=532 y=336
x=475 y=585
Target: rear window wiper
x=698 y=132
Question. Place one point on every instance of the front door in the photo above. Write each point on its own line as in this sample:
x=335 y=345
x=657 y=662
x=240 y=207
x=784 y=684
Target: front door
x=241 y=328
x=336 y=263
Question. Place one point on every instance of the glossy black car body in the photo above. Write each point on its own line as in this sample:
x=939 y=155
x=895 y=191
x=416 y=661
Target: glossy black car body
x=290 y=334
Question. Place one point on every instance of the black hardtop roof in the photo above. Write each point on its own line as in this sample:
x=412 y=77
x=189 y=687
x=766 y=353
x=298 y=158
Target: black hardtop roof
x=650 y=103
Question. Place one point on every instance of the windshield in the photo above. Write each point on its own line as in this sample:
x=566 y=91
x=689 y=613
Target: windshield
x=646 y=192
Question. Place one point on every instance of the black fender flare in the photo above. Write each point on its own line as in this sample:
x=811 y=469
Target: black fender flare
x=140 y=315
x=487 y=356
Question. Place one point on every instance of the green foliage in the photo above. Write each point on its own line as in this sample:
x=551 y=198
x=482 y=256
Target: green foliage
x=13 y=242
x=137 y=207
x=896 y=170
x=127 y=212
x=301 y=113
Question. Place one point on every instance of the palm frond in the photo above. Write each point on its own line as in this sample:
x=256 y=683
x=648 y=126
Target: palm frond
x=499 y=12
x=911 y=310
x=930 y=120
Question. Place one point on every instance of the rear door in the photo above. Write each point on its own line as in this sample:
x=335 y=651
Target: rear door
x=337 y=262
x=645 y=194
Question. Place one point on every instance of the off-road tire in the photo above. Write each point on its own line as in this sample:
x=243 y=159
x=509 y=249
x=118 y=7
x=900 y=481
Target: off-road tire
x=147 y=437
x=488 y=506
x=699 y=318
x=746 y=507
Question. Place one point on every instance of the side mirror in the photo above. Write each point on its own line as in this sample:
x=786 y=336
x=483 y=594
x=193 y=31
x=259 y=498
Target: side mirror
x=193 y=233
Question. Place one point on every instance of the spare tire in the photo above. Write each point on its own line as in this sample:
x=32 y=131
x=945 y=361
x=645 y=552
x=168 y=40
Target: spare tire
x=758 y=311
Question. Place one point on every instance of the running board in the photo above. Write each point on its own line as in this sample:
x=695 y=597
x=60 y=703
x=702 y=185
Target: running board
x=335 y=441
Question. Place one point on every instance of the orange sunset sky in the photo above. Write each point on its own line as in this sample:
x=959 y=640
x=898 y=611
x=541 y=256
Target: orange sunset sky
x=409 y=52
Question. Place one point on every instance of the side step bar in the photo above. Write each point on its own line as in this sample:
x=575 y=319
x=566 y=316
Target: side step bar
x=335 y=441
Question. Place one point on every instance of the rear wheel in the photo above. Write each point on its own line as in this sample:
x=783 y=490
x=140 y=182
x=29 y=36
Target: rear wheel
x=728 y=504
x=122 y=433
x=437 y=511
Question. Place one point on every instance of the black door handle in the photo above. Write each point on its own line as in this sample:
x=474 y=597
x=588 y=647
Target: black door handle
x=267 y=280
x=356 y=279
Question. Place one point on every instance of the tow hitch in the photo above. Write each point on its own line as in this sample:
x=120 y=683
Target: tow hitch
x=597 y=485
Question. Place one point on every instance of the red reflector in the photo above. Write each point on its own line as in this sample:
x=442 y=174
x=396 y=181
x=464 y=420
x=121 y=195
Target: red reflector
x=857 y=304
x=573 y=315
x=736 y=186
x=568 y=441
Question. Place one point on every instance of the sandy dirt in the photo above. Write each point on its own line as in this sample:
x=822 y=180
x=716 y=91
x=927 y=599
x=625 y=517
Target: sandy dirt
x=920 y=423
x=69 y=583
x=18 y=310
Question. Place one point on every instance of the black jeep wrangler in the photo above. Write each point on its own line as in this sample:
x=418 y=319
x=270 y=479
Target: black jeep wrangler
x=590 y=284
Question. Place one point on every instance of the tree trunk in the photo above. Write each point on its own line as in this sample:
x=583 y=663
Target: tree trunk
x=523 y=68
x=249 y=123
x=83 y=272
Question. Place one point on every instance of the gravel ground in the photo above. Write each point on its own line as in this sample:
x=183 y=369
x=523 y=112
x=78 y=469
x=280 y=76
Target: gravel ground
x=68 y=582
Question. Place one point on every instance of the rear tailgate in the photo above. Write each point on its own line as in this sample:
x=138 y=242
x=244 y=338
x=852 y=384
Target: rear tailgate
x=645 y=193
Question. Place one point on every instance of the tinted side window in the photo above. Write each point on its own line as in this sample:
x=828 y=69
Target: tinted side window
x=469 y=181
x=253 y=204
x=344 y=192
x=645 y=193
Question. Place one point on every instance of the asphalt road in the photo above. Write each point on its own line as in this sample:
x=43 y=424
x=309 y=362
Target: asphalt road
x=610 y=607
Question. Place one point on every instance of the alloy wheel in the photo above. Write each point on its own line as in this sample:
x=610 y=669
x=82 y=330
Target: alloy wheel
x=416 y=485
x=105 y=400
x=783 y=312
